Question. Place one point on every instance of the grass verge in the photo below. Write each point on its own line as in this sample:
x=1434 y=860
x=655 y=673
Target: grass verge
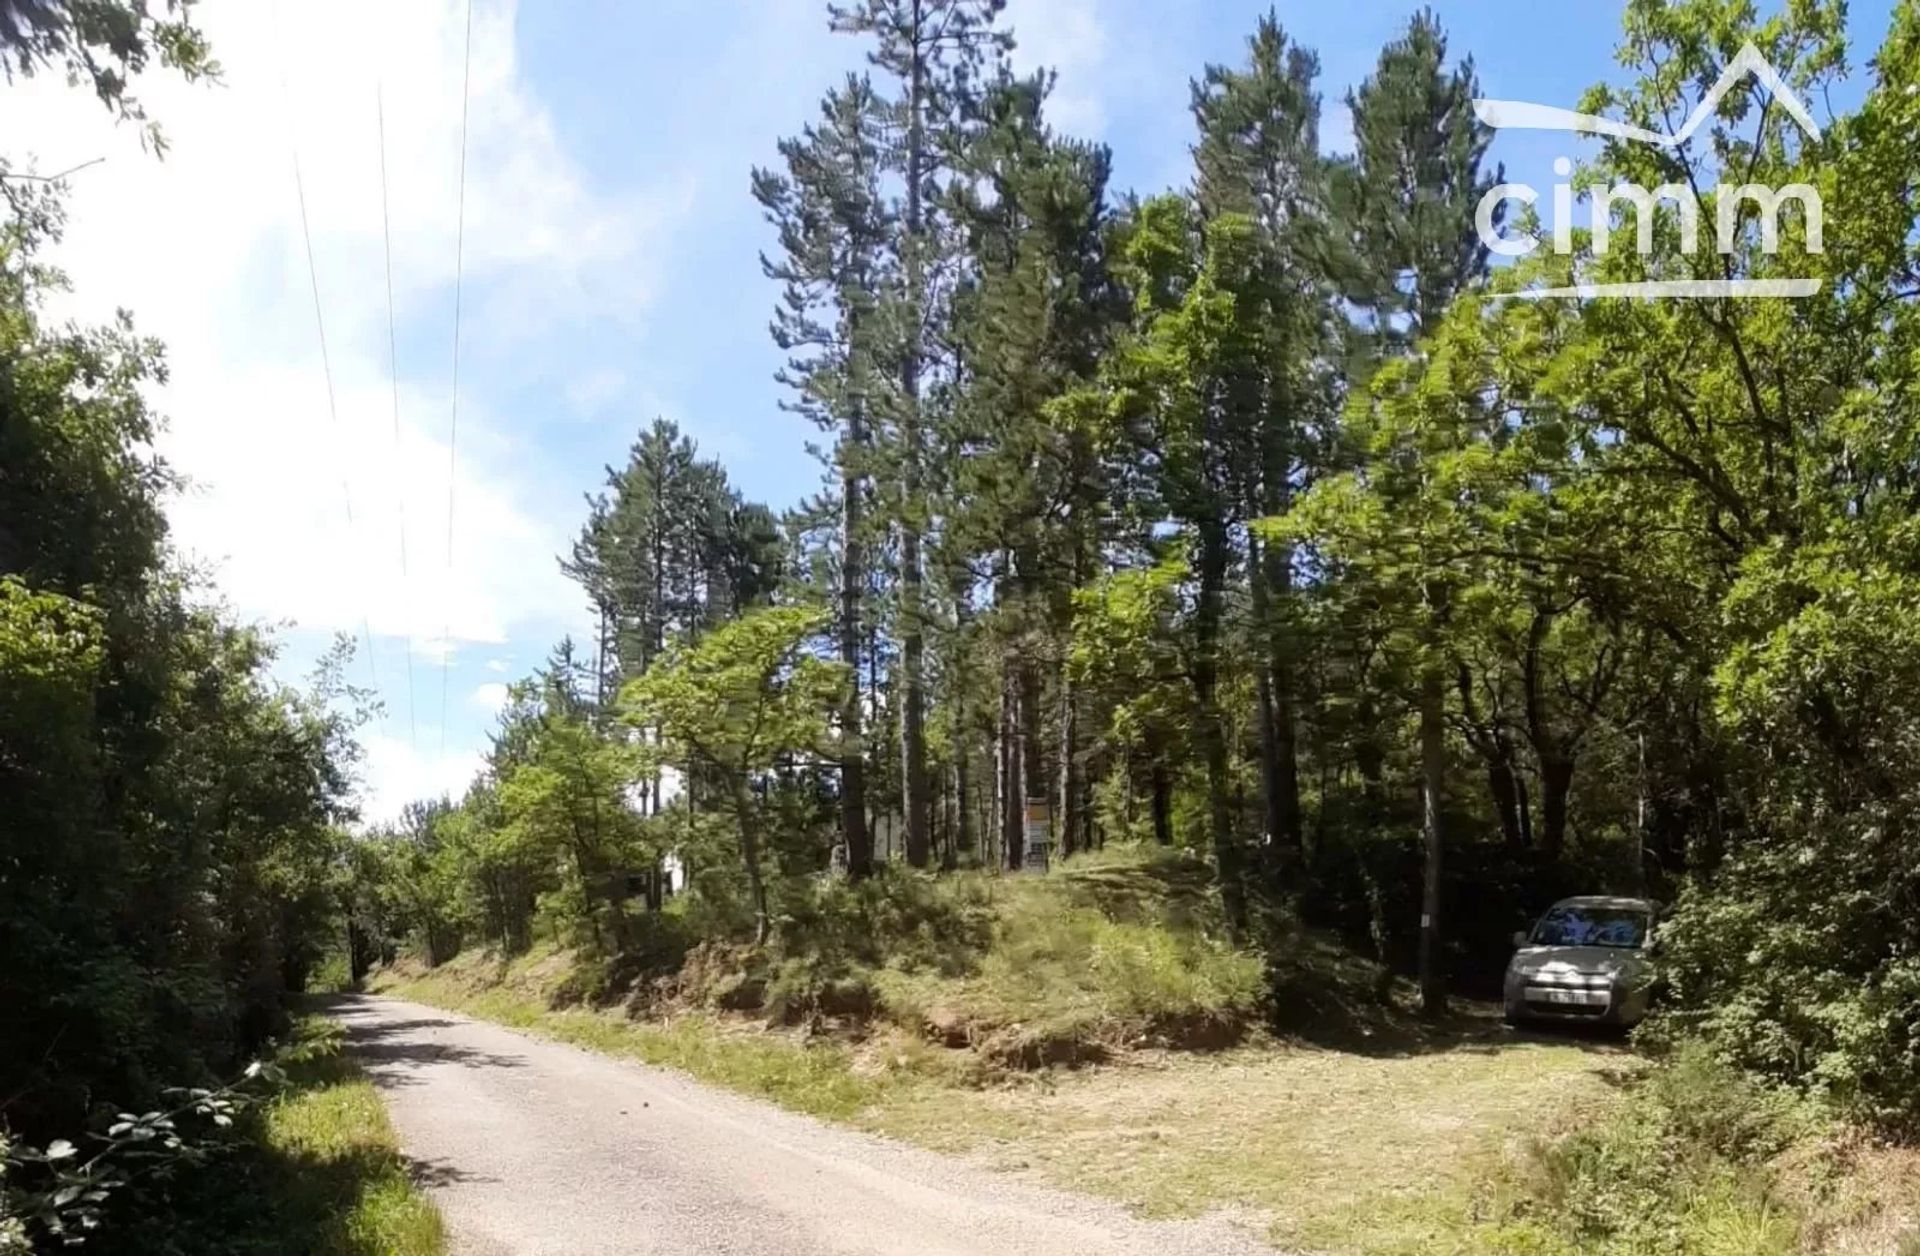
x=822 y=1077
x=339 y=1161
x=319 y=1172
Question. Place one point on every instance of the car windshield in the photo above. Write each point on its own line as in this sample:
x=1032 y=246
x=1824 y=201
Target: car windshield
x=1585 y=925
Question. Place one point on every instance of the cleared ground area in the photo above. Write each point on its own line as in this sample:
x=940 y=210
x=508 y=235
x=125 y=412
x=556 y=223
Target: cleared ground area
x=1393 y=1151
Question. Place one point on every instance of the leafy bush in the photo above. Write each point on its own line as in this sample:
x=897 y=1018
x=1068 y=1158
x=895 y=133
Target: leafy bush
x=1685 y=1166
x=65 y=1192
x=1788 y=966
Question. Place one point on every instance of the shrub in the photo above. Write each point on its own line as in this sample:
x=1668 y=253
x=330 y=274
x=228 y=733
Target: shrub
x=1684 y=1166
x=908 y=920
x=1783 y=972
x=1078 y=967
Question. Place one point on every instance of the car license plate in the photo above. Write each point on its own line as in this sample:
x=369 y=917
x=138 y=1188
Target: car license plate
x=1579 y=998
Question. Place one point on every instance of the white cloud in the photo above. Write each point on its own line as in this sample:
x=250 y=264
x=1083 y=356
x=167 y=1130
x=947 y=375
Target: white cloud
x=1069 y=36
x=206 y=248
x=396 y=772
x=490 y=697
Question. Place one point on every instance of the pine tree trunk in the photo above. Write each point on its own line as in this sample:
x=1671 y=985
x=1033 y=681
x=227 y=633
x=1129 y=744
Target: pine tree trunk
x=992 y=854
x=962 y=731
x=1012 y=763
x=1033 y=749
x=1069 y=771
x=950 y=804
x=853 y=763
x=1270 y=742
x=1288 y=836
x=1433 y=767
x=1213 y=742
x=913 y=721
x=913 y=714
x=1272 y=580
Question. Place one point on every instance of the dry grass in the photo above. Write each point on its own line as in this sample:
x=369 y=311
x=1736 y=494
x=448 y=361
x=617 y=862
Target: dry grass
x=1877 y=1211
x=1342 y=1152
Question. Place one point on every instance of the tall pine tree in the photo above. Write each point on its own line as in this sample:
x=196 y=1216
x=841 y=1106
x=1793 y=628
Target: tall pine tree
x=834 y=226
x=932 y=52
x=1416 y=180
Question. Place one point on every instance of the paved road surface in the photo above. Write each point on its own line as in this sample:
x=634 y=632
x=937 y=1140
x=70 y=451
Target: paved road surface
x=533 y=1147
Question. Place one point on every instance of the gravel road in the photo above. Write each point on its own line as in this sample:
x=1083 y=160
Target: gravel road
x=532 y=1147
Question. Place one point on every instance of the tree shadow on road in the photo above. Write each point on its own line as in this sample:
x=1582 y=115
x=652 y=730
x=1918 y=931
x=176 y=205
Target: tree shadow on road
x=392 y=1049
x=428 y=1174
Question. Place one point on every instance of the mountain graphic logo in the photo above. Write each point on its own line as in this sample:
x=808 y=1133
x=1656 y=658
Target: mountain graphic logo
x=1521 y=115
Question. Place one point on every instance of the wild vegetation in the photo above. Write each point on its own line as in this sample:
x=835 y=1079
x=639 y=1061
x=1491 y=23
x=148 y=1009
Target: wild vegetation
x=172 y=849
x=1310 y=591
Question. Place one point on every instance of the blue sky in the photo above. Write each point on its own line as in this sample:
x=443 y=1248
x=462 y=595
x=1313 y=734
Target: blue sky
x=610 y=274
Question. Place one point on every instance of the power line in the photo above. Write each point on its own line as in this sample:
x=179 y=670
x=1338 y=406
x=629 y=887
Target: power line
x=326 y=368
x=393 y=370
x=453 y=425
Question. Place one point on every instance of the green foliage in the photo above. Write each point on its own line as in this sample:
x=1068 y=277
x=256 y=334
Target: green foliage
x=1106 y=952
x=104 y=43
x=75 y=1192
x=1685 y=1166
x=170 y=828
x=1255 y=519
x=901 y=919
x=293 y=1155
x=740 y=702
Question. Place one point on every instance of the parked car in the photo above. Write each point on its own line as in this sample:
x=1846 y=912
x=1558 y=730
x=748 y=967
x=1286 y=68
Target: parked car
x=1587 y=959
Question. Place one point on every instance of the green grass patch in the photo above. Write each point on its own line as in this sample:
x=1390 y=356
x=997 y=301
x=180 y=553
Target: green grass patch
x=316 y=1171
x=1063 y=981
x=336 y=1164
x=1698 y=1158
x=824 y=1078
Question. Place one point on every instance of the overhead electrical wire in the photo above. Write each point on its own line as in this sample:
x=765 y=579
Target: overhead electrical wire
x=453 y=425
x=326 y=362
x=393 y=368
